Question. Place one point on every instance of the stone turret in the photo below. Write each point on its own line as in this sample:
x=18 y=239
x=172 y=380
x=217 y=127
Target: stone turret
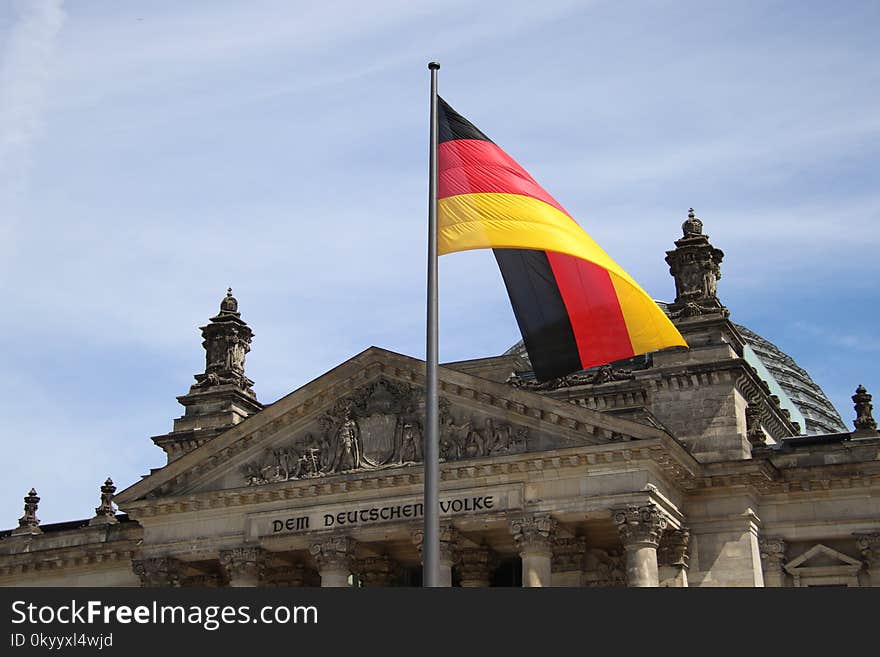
x=222 y=395
x=696 y=267
x=727 y=409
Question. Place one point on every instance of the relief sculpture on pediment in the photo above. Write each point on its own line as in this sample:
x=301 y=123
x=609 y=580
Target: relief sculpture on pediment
x=380 y=426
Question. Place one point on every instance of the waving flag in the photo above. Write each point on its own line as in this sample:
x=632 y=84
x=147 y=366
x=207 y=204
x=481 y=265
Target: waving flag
x=576 y=307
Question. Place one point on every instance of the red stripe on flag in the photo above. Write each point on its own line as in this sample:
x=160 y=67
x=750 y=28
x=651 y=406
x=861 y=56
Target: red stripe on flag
x=472 y=166
x=593 y=309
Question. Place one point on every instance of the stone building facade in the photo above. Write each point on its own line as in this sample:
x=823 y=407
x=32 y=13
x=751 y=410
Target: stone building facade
x=721 y=464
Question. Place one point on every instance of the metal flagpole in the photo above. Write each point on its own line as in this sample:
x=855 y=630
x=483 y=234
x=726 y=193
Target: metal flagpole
x=431 y=539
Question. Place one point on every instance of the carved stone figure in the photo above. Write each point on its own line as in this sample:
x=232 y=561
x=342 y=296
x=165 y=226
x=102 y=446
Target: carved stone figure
x=349 y=443
x=378 y=427
x=411 y=442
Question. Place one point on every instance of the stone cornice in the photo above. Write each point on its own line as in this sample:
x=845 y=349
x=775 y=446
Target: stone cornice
x=526 y=408
x=765 y=478
x=89 y=555
x=671 y=458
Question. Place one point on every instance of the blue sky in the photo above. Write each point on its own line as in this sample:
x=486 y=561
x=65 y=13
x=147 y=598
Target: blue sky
x=152 y=154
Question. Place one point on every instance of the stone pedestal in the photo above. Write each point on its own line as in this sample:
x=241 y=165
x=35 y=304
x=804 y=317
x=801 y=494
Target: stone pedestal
x=772 y=561
x=640 y=528
x=333 y=557
x=243 y=566
x=533 y=535
x=475 y=566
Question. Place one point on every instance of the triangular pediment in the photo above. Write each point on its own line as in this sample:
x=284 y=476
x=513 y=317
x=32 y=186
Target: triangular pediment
x=821 y=556
x=366 y=415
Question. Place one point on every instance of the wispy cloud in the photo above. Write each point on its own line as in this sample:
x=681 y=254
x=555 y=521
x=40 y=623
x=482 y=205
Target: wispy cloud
x=25 y=73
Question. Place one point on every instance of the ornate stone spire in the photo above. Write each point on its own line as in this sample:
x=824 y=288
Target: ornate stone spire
x=227 y=340
x=222 y=395
x=696 y=267
x=864 y=422
x=29 y=523
x=104 y=514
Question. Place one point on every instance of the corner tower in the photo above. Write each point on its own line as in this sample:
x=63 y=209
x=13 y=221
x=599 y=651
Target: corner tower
x=222 y=395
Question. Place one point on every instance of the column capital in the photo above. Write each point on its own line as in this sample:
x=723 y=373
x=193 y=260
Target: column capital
x=640 y=525
x=334 y=553
x=772 y=553
x=449 y=539
x=533 y=533
x=673 y=549
x=157 y=571
x=243 y=562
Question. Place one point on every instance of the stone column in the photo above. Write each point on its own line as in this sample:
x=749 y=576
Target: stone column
x=772 y=561
x=672 y=557
x=157 y=571
x=243 y=566
x=475 y=566
x=640 y=528
x=334 y=558
x=869 y=546
x=376 y=571
x=534 y=535
x=448 y=550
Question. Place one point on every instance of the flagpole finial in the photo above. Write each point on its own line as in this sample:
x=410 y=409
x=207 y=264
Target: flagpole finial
x=433 y=65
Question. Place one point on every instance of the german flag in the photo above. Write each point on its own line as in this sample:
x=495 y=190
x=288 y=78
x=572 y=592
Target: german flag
x=576 y=307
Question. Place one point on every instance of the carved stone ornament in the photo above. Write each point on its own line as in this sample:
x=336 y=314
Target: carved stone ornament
x=696 y=267
x=157 y=571
x=335 y=553
x=754 y=432
x=603 y=374
x=533 y=533
x=104 y=514
x=29 y=523
x=227 y=340
x=243 y=562
x=864 y=422
x=869 y=547
x=673 y=549
x=772 y=553
x=380 y=427
x=603 y=568
x=449 y=539
x=640 y=525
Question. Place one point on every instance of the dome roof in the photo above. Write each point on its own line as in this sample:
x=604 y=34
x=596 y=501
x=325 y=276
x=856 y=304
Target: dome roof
x=818 y=411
